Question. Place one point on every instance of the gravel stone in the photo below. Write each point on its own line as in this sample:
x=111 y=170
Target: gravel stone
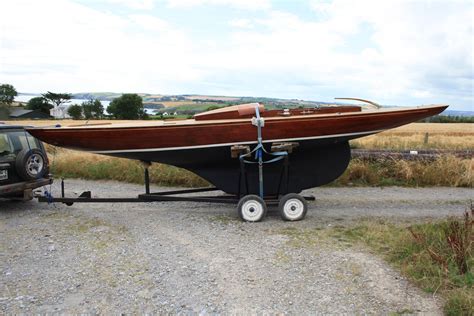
x=199 y=258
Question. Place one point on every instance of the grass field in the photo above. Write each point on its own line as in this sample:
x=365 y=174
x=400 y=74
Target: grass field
x=213 y=98
x=74 y=164
x=454 y=136
x=435 y=255
x=169 y=104
x=445 y=171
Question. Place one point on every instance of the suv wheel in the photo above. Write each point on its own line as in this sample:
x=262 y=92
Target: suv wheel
x=31 y=164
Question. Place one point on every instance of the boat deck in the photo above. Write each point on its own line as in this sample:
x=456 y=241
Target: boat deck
x=271 y=115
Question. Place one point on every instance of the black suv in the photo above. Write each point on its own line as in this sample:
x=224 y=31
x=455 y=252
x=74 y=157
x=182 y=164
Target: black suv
x=23 y=163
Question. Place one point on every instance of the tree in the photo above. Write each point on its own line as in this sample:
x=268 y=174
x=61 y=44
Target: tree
x=92 y=109
x=7 y=93
x=213 y=107
x=57 y=98
x=75 y=111
x=127 y=107
x=39 y=103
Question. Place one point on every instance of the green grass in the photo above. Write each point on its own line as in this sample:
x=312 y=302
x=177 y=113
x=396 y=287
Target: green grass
x=190 y=108
x=423 y=253
x=223 y=219
x=437 y=256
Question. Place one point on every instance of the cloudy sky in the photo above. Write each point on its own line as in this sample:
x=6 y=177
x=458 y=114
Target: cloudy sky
x=393 y=52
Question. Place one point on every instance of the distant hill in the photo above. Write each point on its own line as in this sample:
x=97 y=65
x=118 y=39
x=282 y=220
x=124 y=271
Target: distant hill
x=458 y=113
x=103 y=96
x=188 y=99
x=194 y=103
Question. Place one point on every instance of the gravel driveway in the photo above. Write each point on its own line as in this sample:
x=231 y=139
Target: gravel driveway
x=199 y=258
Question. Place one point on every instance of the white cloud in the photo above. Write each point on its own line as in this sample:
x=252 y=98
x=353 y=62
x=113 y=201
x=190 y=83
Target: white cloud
x=69 y=47
x=412 y=41
x=149 y=22
x=241 y=23
x=422 y=94
x=392 y=52
x=134 y=4
x=407 y=48
x=240 y=4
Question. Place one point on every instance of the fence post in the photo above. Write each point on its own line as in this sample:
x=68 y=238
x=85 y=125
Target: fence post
x=426 y=138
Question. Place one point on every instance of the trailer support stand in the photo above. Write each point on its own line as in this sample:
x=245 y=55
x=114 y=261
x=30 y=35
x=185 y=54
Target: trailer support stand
x=147 y=181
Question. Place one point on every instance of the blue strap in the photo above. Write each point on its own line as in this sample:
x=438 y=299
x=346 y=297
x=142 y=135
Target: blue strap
x=279 y=156
x=48 y=196
x=259 y=148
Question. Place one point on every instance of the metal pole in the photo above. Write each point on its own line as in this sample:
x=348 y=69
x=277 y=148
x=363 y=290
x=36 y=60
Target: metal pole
x=259 y=152
x=260 y=174
x=146 y=165
x=62 y=187
x=147 y=181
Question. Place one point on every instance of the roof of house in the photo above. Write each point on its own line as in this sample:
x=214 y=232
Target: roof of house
x=19 y=112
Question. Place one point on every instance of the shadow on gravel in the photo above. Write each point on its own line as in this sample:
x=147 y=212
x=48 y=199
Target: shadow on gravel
x=10 y=206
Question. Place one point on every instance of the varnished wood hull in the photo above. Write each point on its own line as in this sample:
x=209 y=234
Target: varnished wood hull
x=204 y=147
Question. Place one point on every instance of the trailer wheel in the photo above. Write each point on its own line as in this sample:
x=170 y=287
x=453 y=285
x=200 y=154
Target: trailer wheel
x=292 y=207
x=31 y=164
x=252 y=208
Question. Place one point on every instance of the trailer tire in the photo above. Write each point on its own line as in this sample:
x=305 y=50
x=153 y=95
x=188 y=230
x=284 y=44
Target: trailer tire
x=252 y=208
x=31 y=164
x=292 y=207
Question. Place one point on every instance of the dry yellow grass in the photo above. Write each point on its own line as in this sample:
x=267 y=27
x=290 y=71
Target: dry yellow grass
x=445 y=171
x=169 y=104
x=213 y=98
x=76 y=164
x=436 y=128
x=453 y=136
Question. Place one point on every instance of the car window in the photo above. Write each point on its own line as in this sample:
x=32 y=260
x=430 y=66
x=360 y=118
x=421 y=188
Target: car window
x=21 y=140
x=5 y=145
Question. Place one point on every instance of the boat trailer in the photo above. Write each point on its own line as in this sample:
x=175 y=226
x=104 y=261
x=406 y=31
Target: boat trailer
x=251 y=207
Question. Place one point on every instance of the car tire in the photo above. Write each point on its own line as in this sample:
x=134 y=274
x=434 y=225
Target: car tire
x=31 y=164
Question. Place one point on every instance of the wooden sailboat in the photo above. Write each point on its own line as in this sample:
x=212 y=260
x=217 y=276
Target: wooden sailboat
x=319 y=136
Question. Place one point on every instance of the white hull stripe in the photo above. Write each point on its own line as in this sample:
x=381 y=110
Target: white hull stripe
x=231 y=144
